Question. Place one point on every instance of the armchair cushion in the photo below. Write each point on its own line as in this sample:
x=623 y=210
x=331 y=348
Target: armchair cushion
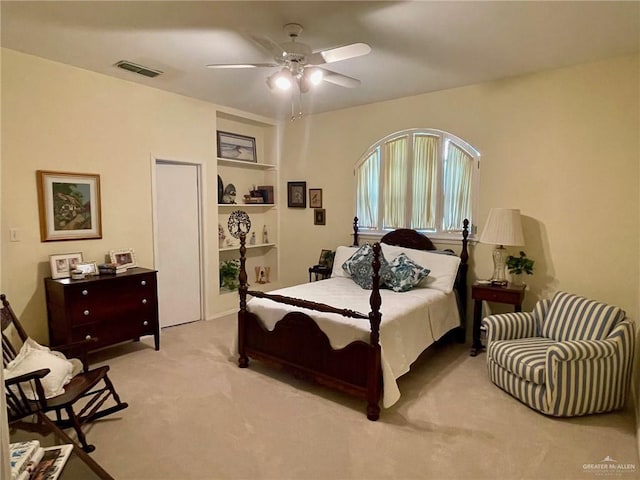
x=33 y=356
x=576 y=318
x=524 y=357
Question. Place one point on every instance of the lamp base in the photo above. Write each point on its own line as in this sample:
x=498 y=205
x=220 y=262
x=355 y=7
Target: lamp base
x=499 y=265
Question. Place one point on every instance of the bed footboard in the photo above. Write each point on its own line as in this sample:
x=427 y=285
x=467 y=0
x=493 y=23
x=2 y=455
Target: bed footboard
x=299 y=346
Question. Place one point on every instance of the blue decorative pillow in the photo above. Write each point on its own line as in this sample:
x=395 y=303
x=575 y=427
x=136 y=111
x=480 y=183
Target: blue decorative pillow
x=405 y=273
x=359 y=267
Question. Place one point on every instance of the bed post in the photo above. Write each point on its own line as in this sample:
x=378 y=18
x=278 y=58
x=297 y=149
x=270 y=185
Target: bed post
x=464 y=265
x=375 y=317
x=243 y=360
x=355 y=232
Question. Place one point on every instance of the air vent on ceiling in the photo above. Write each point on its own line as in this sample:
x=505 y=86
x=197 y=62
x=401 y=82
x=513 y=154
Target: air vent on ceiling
x=139 y=69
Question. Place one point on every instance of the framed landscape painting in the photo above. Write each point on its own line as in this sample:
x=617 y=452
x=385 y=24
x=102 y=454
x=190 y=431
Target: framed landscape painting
x=69 y=206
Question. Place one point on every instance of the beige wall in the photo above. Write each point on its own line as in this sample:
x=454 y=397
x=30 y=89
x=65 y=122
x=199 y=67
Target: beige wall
x=56 y=117
x=562 y=146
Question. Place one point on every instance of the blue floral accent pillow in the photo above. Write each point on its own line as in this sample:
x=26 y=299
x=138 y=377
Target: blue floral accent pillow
x=405 y=273
x=359 y=267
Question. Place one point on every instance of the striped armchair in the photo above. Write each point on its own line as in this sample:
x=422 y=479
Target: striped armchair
x=571 y=356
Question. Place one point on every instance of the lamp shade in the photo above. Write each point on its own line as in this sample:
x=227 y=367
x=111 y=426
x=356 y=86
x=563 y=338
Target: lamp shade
x=503 y=227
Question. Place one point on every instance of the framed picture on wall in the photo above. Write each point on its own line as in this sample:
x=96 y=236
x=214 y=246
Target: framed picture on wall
x=69 y=206
x=236 y=147
x=319 y=216
x=315 y=197
x=297 y=194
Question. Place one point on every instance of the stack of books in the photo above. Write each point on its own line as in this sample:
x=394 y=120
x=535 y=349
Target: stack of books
x=30 y=461
x=111 y=269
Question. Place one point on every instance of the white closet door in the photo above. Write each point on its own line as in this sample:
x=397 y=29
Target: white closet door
x=178 y=216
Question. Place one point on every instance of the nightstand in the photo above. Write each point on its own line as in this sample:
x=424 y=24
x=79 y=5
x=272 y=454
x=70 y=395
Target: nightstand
x=321 y=272
x=511 y=295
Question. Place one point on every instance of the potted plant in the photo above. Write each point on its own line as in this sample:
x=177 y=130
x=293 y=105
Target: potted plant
x=229 y=271
x=518 y=266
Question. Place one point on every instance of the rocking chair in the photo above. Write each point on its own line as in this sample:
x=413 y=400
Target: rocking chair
x=30 y=392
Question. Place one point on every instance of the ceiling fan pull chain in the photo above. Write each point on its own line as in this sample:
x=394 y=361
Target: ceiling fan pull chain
x=293 y=115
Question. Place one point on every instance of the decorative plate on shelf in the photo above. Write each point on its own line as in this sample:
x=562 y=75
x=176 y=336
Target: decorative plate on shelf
x=239 y=222
x=229 y=195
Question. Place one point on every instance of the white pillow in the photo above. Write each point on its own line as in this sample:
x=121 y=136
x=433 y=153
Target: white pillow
x=342 y=255
x=32 y=357
x=443 y=268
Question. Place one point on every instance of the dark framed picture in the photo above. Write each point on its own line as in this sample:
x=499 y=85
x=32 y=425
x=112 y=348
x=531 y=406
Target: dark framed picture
x=236 y=147
x=315 y=197
x=326 y=258
x=297 y=194
x=69 y=205
x=319 y=216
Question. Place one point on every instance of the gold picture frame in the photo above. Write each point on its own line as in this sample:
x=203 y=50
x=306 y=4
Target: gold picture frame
x=69 y=206
x=315 y=198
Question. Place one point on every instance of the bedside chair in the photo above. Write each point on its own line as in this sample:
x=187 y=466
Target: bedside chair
x=571 y=356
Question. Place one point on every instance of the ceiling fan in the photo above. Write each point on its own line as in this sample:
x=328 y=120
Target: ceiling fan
x=299 y=65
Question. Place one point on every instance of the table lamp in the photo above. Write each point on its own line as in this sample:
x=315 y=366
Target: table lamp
x=503 y=227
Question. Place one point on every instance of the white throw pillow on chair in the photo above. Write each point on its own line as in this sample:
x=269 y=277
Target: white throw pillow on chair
x=32 y=357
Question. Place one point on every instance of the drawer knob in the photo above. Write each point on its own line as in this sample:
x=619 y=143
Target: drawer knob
x=88 y=337
x=85 y=292
x=143 y=283
x=144 y=300
x=86 y=313
x=145 y=323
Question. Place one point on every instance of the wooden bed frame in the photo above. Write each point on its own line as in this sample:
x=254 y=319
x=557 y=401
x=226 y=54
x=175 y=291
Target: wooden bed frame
x=297 y=344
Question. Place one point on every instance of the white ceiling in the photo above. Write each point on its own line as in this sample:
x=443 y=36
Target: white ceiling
x=417 y=47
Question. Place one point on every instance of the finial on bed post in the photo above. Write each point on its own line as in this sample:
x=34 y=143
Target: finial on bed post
x=374 y=380
x=464 y=254
x=243 y=359
x=355 y=232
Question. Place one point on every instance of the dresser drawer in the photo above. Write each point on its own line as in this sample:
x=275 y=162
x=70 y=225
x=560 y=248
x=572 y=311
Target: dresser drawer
x=119 y=330
x=513 y=297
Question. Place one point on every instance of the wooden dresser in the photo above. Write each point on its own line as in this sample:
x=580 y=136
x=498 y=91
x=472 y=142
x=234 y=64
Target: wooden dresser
x=111 y=308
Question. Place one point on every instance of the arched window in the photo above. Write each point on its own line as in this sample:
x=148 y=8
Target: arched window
x=422 y=179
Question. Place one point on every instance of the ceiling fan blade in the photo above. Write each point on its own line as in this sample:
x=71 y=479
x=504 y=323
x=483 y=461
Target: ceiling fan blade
x=241 y=65
x=338 y=53
x=340 y=79
x=268 y=45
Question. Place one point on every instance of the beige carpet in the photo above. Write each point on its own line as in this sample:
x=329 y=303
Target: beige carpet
x=194 y=414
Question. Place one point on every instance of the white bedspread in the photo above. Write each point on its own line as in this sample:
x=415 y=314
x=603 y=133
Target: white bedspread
x=411 y=321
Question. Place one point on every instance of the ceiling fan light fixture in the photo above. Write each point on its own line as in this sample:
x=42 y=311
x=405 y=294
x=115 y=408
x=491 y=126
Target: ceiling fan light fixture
x=281 y=80
x=315 y=75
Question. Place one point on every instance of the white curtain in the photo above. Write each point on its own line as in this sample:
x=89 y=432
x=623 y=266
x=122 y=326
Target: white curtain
x=368 y=174
x=395 y=183
x=425 y=162
x=458 y=171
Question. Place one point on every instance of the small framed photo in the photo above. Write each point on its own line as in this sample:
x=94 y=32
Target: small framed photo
x=315 y=197
x=69 y=206
x=88 y=268
x=319 y=216
x=125 y=257
x=297 y=194
x=236 y=147
x=62 y=264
